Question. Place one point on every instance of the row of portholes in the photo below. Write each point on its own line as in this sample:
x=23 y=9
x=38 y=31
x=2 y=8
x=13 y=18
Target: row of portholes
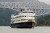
x=24 y=16
x=28 y=16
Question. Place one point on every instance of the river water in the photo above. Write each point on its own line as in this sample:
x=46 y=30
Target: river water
x=38 y=29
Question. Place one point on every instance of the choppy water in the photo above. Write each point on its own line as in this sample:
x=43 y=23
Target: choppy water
x=7 y=29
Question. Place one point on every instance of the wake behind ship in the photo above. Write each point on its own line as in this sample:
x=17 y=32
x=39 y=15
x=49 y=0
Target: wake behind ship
x=25 y=19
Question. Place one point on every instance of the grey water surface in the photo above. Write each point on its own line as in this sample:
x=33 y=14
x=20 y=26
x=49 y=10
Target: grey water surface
x=38 y=29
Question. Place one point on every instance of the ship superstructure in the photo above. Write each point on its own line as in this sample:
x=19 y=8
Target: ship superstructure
x=25 y=18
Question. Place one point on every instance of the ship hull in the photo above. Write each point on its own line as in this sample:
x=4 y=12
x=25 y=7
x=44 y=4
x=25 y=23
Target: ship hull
x=23 y=25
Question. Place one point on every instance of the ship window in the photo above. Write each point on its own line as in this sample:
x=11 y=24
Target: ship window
x=12 y=18
x=19 y=16
x=19 y=20
x=27 y=12
x=31 y=16
x=25 y=16
x=24 y=19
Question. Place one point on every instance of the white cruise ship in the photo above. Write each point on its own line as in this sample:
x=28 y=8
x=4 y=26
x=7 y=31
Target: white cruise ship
x=25 y=19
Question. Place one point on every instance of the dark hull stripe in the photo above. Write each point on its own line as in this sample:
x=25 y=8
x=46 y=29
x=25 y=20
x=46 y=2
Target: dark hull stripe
x=22 y=25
